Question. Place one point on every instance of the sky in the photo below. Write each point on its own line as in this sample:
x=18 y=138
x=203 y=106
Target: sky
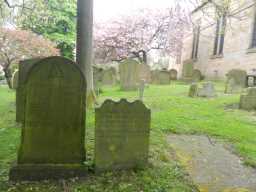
x=107 y=9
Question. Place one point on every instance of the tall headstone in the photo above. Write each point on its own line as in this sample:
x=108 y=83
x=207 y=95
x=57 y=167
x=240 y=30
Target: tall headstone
x=122 y=135
x=236 y=81
x=24 y=68
x=248 y=101
x=53 y=134
x=129 y=74
x=15 y=79
x=173 y=74
x=187 y=70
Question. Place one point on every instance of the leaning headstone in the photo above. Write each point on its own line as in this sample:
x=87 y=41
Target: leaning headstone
x=122 y=135
x=129 y=74
x=141 y=89
x=24 y=68
x=15 y=79
x=248 y=101
x=208 y=90
x=173 y=74
x=193 y=90
x=53 y=134
x=236 y=81
x=197 y=75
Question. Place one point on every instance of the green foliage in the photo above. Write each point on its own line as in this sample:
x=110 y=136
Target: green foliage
x=55 y=20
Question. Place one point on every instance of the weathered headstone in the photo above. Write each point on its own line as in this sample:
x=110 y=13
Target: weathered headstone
x=187 y=70
x=236 y=81
x=208 y=90
x=24 y=68
x=129 y=74
x=161 y=77
x=197 y=75
x=173 y=74
x=250 y=81
x=122 y=135
x=15 y=79
x=193 y=90
x=141 y=89
x=53 y=134
x=248 y=101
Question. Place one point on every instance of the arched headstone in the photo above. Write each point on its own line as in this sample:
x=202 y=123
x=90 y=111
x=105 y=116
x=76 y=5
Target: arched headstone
x=129 y=74
x=173 y=74
x=236 y=81
x=53 y=134
x=197 y=75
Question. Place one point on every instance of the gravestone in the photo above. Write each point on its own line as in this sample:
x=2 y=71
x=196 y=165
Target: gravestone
x=197 y=75
x=161 y=77
x=193 y=90
x=122 y=135
x=24 y=68
x=141 y=89
x=248 y=101
x=173 y=74
x=53 y=134
x=15 y=79
x=236 y=81
x=187 y=70
x=208 y=90
x=129 y=74
x=109 y=76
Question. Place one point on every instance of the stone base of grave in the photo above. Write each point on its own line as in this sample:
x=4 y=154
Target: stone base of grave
x=31 y=172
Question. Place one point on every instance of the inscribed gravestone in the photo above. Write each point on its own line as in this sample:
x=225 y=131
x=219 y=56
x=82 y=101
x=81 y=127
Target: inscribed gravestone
x=236 y=81
x=208 y=90
x=53 y=134
x=248 y=101
x=24 y=67
x=129 y=74
x=122 y=135
x=173 y=74
x=15 y=80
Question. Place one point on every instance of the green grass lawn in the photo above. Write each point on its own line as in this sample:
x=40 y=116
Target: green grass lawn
x=172 y=111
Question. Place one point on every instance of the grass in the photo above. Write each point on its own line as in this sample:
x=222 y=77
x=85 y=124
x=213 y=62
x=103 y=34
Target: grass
x=172 y=111
x=162 y=175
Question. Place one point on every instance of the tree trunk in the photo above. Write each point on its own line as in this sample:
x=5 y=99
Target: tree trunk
x=8 y=76
x=84 y=44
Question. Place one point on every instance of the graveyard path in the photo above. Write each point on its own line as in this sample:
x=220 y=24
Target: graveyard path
x=212 y=167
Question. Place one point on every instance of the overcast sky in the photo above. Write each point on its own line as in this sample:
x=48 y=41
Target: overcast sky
x=107 y=9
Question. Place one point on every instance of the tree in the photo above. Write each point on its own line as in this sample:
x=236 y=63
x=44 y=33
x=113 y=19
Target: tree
x=136 y=35
x=54 y=19
x=16 y=45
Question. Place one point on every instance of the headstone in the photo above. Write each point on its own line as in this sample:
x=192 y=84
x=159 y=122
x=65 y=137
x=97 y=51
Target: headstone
x=109 y=76
x=250 y=81
x=208 y=90
x=193 y=90
x=173 y=74
x=197 y=75
x=122 y=135
x=161 y=77
x=236 y=81
x=248 y=101
x=129 y=74
x=24 y=68
x=53 y=134
x=187 y=70
x=15 y=79
x=141 y=89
